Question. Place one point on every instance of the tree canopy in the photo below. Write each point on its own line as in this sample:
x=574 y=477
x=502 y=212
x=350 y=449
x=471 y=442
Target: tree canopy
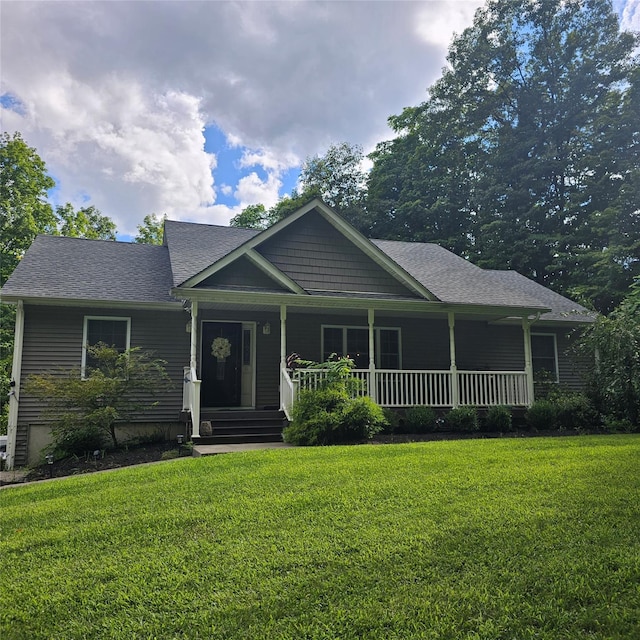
x=151 y=230
x=525 y=154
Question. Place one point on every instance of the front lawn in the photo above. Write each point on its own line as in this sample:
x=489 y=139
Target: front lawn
x=485 y=539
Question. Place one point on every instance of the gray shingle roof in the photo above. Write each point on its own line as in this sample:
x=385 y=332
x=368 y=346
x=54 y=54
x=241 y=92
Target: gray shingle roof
x=193 y=247
x=452 y=278
x=71 y=268
x=564 y=309
x=79 y=269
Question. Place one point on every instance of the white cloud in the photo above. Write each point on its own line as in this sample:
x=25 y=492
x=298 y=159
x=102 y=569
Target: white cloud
x=116 y=94
x=253 y=190
x=630 y=14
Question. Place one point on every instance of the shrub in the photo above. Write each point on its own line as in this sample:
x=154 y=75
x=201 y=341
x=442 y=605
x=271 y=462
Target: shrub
x=462 y=419
x=498 y=418
x=330 y=416
x=71 y=439
x=575 y=411
x=420 y=419
x=542 y=415
x=361 y=419
x=393 y=420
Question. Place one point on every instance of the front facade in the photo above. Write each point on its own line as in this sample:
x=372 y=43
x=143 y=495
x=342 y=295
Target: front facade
x=226 y=307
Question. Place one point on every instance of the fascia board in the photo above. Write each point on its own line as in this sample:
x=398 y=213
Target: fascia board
x=373 y=252
x=247 y=246
x=333 y=302
x=83 y=302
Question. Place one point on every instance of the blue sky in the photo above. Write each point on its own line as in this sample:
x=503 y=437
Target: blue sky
x=198 y=109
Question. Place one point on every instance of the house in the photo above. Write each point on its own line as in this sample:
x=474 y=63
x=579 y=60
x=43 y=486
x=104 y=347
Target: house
x=226 y=306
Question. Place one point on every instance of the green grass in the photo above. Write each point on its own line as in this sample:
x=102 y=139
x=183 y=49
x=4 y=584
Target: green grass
x=486 y=539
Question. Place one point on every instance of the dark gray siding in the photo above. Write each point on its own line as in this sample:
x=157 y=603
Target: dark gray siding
x=317 y=256
x=484 y=347
x=242 y=274
x=53 y=340
x=571 y=370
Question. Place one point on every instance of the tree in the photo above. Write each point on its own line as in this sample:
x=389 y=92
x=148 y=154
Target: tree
x=338 y=179
x=151 y=231
x=613 y=344
x=255 y=216
x=120 y=386
x=527 y=143
x=24 y=212
x=86 y=222
x=24 y=209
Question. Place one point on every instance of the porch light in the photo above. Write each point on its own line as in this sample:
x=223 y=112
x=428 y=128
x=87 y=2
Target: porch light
x=266 y=328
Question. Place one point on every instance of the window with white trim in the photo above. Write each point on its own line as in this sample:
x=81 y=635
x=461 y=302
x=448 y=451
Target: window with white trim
x=544 y=356
x=354 y=342
x=109 y=330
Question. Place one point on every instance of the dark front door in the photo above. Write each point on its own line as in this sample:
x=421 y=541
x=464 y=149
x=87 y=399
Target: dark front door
x=221 y=364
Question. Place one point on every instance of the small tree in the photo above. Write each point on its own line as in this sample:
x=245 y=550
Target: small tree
x=613 y=345
x=119 y=386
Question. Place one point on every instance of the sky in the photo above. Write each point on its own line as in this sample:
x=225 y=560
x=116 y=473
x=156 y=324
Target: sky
x=197 y=109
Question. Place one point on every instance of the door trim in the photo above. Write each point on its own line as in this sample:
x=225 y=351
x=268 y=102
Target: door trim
x=243 y=325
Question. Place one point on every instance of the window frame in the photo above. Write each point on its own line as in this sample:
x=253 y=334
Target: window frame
x=85 y=332
x=377 y=353
x=556 y=372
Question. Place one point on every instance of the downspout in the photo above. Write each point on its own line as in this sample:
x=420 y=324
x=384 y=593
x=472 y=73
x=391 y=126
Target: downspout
x=372 y=390
x=14 y=393
x=452 y=356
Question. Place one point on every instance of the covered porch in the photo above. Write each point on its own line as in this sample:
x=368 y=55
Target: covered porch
x=408 y=354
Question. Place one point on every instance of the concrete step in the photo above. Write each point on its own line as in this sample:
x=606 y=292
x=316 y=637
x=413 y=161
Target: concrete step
x=239 y=437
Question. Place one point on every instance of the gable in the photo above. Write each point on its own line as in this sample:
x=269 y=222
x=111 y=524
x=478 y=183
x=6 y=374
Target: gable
x=241 y=274
x=313 y=253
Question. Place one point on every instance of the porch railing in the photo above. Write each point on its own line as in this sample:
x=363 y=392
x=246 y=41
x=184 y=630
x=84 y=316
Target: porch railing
x=407 y=388
x=191 y=398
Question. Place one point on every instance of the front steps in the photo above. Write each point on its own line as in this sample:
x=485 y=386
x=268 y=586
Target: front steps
x=240 y=427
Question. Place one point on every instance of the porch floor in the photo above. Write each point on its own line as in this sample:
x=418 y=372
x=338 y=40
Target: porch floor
x=215 y=449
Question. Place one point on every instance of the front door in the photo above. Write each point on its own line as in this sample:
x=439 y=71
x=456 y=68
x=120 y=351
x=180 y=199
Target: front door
x=221 y=364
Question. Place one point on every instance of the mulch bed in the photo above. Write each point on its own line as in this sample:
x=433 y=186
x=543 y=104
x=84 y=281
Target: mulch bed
x=109 y=459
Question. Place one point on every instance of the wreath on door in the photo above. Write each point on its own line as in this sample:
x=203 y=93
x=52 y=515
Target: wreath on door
x=221 y=350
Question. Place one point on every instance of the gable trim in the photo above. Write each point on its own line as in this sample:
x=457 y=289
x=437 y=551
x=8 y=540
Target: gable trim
x=271 y=270
x=368 y=248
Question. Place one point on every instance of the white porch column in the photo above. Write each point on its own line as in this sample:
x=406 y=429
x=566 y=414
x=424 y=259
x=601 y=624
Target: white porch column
x=452 y=356
x=372 y=390
x=283 y=336
x=14 y=393
x=528 y=366
x=193 y=360
x=193 y=365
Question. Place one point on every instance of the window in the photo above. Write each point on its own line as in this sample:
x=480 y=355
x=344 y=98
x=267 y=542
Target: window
x=354 y=342
x=544 y=355
x=114 y=332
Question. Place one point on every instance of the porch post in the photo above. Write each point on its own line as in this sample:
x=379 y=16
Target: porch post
x=528 y=366
x=283 y=336
x=193 y=365
x=193 y=359
x=14 y=394
x=452 y=355
x=372 y=386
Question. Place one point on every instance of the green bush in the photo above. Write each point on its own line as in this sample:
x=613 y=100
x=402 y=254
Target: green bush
x=75 y=440
x=575 y=411
x=542 y=415
x=393 y=420
x=330 y=416
x=420 y=419
x=499 y=419
x=462 y=419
